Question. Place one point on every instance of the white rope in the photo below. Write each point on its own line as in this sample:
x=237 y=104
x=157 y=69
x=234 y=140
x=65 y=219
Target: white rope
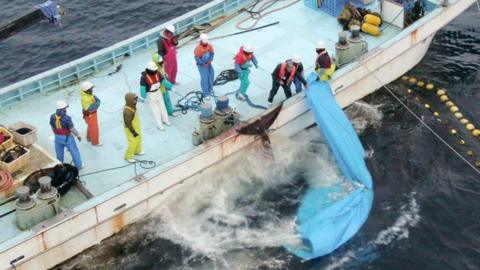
x=422 y=122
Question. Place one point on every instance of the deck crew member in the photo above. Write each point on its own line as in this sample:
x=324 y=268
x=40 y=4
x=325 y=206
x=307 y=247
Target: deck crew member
x=243 y=61
x=62 y=127
x=323 y=64
x=90 y=104
x=299 y=78
x=150 y=82
x=203 y=57
x=282 y=75
x=132 y=128
x=158 y=60
x=167 y=48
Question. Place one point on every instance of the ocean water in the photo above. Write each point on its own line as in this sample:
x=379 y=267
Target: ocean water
x=427 y=200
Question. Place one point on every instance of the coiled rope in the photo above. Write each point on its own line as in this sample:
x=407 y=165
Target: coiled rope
x=257 y=15
x=6 y=181
x=423 y=122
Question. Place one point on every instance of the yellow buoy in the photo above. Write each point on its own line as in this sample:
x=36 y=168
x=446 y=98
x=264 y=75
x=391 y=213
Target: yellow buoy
x=458 y=115
x=453 y=131
x=477 y=163
x=427 y=106
x=464 y=121
x=409 y=91
x=412 y=80
x=429 y=86
x=461 y=142
x=417 y=98
x=449 y=104
x=476 y=132
x=372 y=19
x=444 y=98
x=470 y=126
x=405 y=78
x=440 y=92
x=454 y=109
x=436 y=113
x=371 y=29
x=420 y=84
x=470 y=153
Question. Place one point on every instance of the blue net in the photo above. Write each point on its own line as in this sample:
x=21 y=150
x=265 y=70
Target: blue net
x=327 y=220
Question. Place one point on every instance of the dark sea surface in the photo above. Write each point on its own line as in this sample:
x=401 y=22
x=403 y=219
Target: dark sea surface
x=427 y=200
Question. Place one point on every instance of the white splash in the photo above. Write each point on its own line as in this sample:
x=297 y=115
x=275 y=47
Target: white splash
x=212 y=215
x=409 y=217
x=363 y=115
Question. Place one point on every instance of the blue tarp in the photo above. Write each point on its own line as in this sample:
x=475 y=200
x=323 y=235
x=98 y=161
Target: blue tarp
x=326 y=221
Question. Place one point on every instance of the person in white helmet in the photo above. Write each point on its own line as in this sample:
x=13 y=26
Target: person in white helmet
x=243 y=62
x=323 y=64
x=158 y=60
x=90 y=104
x=150 y=82
x=204 y=54
x=167 y=48
x=62 y=127
x=283 y=76
x=299 y=78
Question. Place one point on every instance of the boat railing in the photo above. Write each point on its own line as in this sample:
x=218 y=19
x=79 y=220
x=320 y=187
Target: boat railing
x=72 y=72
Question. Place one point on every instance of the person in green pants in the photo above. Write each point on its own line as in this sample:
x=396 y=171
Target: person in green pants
x=158 y=60
x=243 y=62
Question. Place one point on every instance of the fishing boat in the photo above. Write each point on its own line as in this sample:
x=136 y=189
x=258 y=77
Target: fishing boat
x=113 y=194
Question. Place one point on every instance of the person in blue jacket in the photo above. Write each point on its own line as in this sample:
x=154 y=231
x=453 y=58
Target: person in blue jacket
x=204 y=54
x=62 y=127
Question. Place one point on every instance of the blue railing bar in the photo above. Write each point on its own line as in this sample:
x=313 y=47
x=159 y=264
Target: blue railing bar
x=93 y=57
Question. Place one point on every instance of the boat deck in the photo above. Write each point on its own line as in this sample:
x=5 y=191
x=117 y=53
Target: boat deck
x=298 y=31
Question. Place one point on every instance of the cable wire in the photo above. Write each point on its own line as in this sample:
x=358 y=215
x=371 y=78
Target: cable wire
x=144 y=164
x=256 y=15
x=422 y=122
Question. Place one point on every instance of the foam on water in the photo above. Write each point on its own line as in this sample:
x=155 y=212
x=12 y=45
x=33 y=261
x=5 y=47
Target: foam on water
x=363 y=115
x=408 y=217
x=225 y=209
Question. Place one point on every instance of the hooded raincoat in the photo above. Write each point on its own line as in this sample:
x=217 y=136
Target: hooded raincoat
x=132 y=126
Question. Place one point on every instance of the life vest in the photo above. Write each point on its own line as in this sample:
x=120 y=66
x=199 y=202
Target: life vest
x=58 y=129
x=87 y=101
x=201 y=49
x=323 y=60
x=283 y=70
x=241 y=58
x=153 y=80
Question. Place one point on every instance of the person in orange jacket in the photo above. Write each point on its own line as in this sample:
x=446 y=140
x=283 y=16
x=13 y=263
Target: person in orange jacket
x=90 y=104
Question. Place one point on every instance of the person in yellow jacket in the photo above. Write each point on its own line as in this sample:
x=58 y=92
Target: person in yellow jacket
x=132 y=128
x=90 y=104
x=324 y=66
x=158 y=60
